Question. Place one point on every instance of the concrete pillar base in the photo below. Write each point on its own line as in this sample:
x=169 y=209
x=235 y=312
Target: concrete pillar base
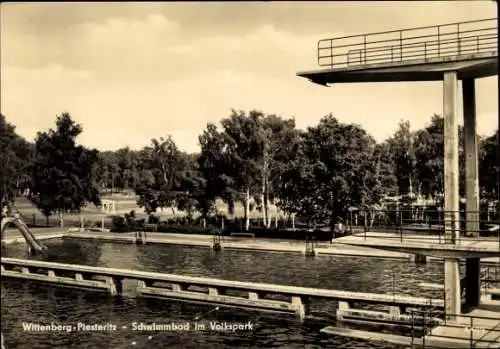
x=394 y=311
x=419 y=259
x=472 y=282
x=253 y=296
x=299 y=307
x=114 y=288
x=452 y=288
x=176 y=288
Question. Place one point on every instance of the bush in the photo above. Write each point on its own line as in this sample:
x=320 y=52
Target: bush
x=119 y=224
x=181 y=229
x=152 y=219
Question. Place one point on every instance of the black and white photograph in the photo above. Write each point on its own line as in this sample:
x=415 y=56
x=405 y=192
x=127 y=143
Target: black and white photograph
x=249 y=174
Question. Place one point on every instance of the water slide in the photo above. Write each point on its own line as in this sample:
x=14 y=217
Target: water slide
x=27 y=234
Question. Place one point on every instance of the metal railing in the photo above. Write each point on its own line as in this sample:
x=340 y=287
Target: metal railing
x=446 y=40
x=490 y=277
x=422 y=224
x=424 y=320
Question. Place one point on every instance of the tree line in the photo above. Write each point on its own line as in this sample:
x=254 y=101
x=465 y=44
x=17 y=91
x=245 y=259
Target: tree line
x=249 y=158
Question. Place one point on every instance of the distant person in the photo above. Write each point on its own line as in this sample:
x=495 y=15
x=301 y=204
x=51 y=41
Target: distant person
x=339 y=227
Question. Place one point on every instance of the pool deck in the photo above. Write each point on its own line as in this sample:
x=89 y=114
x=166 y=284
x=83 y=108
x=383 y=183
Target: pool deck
x=437 y=338
x=230 y=243
x=434 y=246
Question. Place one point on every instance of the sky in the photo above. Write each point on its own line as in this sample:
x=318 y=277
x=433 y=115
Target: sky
x=130 y=72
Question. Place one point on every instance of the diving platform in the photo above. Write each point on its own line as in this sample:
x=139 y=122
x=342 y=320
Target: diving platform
x=417 y=54
x=463 y=51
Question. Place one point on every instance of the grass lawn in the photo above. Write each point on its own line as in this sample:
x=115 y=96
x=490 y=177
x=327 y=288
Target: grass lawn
x=123 y=204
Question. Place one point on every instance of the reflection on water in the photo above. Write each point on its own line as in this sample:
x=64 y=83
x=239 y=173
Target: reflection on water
x=30 y=302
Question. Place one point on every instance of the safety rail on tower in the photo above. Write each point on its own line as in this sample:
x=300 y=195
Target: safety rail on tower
x=422 y=43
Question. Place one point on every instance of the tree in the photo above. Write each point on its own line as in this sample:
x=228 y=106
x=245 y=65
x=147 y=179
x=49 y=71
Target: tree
x=243 y=146
x=212 y=162
x=385 y=169
x=192 y=187
x=295 y=187
x=280 y=142
x=489 y=167
x=108 y=171
x=15 y=159
x=161 y=175
x=401 y=147
x=429 y=149
x=63 y=172
x=126 y=162
x=332 y=171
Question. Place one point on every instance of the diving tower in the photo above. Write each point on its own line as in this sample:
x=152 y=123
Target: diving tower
x=463 y=51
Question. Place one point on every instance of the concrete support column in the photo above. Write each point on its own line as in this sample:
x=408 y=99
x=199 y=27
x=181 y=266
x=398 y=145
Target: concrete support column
x=471 y=158
x=472 y=282
x=300 y=309
x=451 y=194
x=451 y=170
x=254 y=296
x=452 y=287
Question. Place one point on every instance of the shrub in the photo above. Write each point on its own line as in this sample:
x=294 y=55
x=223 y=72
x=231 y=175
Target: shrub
x=152 y=219
x=180 y=229
x=119 y=224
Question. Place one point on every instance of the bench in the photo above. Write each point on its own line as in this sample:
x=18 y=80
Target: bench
x=251 y=235
x=152 y=227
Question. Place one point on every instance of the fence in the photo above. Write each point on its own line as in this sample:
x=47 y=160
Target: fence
x=490 y=277
x=421 y=223
x=447 y=40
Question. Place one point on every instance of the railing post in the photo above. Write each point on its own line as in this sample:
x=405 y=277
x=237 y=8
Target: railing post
x=350 y=222
x=400 y=45
x=400 y=225
x=477 y=44
x=471 y=332
x=364 y=49
x=430 y=308
x=393 y=287
x=412 y=327
x=364 y=223
x=439 y=41
x=331 y=53
x=425 y=50
x=444 y=303
x=458 y=38
x=400 y=230
x=424 y=331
